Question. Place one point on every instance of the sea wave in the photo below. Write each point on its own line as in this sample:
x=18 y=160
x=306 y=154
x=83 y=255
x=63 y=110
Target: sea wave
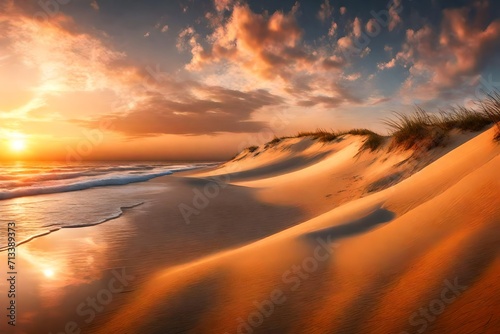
x=75 y=186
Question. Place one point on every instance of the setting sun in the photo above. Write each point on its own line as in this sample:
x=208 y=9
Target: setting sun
x=48 y=273
x=17 y=144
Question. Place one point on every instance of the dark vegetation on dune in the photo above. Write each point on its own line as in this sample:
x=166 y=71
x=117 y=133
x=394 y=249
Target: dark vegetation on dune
x=252 y=149
x=419 y=129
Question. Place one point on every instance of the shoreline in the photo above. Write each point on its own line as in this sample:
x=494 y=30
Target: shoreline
x=147 y=243
x=122 y=212
x=84 y=191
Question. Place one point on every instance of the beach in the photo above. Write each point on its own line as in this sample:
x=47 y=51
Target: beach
x=300 y=238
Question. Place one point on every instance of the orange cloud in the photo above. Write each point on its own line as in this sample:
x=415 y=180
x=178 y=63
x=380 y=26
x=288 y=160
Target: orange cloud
x=221 y=5
x=390 y=64
x=266 y=45
x=198 y=110
x=270 y=47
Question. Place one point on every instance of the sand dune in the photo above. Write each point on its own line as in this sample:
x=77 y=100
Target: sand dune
x=392 y=242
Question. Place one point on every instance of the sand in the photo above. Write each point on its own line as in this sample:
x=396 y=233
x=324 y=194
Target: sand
x=300 y=237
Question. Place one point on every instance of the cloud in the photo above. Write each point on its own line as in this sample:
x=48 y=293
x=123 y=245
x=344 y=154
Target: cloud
x=147 y=34
x=198 y=109
x=380 y=101
x=268 y=50
x=164 y=28
x=146 y=102
x=185 y=37
x=357 y=27
x=325 y=11
x=333 y=62
x=325 y=101
x=372 y=26
x=452 y=56
x=222 y=5
x=366 y=51
x=390 y=64
x=343 y=10
x=268 y=45
x=94 y=5
x=353 y=43
x=353 y=76
x=394 y=18
x=59 y=56
x=333 y=29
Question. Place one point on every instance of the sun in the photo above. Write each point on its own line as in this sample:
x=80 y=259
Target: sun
x=17 y=144
x=48 y=273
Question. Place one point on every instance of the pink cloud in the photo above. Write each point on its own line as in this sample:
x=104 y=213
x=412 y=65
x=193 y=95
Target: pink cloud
x=269 y=46
x=372 y=26
x=325 y=11
x=452 y=56
x=394 y=18
x=94 y=5
x=390 y=64
x=221 y=5
x=333 y=29
x=357 y=27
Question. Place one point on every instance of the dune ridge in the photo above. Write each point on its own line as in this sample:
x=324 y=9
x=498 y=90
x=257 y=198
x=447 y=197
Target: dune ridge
x=395 y=241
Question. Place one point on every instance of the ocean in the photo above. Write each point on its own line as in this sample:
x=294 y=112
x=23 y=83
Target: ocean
x=43 y=197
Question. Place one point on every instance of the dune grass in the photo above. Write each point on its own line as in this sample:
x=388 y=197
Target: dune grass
x=463 y=118
x=252 y=149
x=373 y=142
x=320 y=134
x=491 y=107
x=274 y=141
x=408 y=130
x=419 y=129
x=359 y=132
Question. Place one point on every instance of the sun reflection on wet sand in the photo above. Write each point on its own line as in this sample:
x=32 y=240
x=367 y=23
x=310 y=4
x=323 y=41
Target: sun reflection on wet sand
x=62 y=269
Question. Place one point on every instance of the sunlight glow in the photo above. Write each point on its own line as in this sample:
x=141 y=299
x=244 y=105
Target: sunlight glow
x=17 y=143
x=48 y=273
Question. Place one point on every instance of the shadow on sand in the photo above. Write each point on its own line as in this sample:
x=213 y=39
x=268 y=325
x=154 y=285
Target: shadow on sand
x=379 y=216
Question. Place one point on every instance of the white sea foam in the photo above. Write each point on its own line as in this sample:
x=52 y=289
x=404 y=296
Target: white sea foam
x=43 y=198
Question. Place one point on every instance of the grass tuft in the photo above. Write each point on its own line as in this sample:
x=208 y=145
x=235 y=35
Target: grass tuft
x=419 y=129
x=320 y=134
x=326 y=138
x=463 y=118
x=273 y=142
x=252 y=149
x=410 y=129
x=373 y=142
x=429 y=130
x=360 y=132
x=491 y=108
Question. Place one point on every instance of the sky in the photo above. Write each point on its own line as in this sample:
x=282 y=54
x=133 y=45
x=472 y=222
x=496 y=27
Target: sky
x=192 y=80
